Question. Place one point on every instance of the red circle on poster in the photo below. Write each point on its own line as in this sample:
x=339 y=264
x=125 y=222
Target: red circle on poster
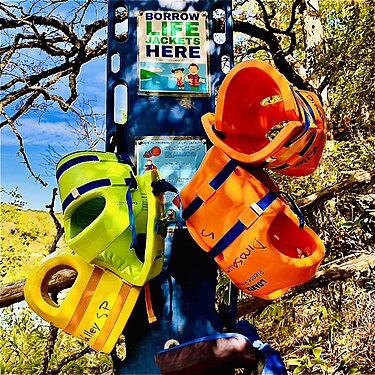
x=156 y=151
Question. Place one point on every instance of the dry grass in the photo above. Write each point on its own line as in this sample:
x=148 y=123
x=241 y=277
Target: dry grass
x=327 y=331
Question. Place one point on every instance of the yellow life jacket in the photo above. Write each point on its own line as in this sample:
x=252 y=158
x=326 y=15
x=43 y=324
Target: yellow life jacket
x=244 y=120
x=242 y=221
x=105 y=208
x=96 y=307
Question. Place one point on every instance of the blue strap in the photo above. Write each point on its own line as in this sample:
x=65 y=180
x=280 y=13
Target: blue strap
x=302 y=103
x=227 y=239
x=307 y=105
x=84 y=189
x=128 y=182
x=308 y=144
x=215 y=183
x=72 y=162
x=239 y=227
x=296 y=209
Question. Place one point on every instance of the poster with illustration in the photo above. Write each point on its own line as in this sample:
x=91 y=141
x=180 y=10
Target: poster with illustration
x=173 y=53
x=177 y=159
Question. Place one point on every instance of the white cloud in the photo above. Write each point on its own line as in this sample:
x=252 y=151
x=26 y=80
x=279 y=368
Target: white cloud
x=154 y=69
x=34 y=132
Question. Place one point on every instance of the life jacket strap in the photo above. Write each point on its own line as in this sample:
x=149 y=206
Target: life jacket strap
x=295 y=208
x=306 y=112
x=72 y=162
x=150 y=312
x=129 y=182
x=215 y=183
x=76 y=192
x=240 y=226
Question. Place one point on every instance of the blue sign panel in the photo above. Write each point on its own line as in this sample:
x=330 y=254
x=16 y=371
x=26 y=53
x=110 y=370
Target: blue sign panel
x=163 y=69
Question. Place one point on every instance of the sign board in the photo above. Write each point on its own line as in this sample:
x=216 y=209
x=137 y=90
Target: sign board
x=177 y=159
x=173 y=53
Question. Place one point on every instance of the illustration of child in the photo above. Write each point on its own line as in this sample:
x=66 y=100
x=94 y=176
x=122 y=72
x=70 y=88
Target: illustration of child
x=193 y=77
x=150 y=165
x=179 y=73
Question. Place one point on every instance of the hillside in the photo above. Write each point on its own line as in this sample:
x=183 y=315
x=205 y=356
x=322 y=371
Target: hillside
x=26 y=236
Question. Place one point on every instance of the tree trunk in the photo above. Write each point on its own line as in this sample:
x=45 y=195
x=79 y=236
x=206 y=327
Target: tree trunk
x=314 y=38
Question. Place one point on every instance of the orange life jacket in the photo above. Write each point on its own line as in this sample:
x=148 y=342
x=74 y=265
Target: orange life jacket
x=244 y=121
x=243 y=222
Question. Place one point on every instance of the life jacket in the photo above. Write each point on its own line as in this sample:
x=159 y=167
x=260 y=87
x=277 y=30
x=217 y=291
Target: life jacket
x=244 y=121
x=96 y=307
x=106 y=211
x=241 y=219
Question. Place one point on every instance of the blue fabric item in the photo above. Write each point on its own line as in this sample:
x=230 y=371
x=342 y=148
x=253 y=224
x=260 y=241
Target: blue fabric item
x=273 y=364
x=303 y=103
x=205 y=338
x=72 y=162
x=307 y=104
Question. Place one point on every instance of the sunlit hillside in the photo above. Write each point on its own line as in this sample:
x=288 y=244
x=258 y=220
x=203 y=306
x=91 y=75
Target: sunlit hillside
x=26 y=236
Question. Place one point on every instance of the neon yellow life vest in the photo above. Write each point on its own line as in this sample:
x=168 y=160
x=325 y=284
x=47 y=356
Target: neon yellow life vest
x=105 y=206
x=243 y=222
x=95 y=309
x=244 y=119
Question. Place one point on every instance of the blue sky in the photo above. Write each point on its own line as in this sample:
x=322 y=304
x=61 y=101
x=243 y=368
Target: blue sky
x=41 y=131
x=48 y=130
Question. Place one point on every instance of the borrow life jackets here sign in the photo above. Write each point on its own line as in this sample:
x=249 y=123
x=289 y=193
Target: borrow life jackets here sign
x=173 y=53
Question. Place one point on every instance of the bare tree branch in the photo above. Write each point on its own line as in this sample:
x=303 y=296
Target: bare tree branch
x=58 y=226
x=63 y=45
x=355 y=179
x=22 y=148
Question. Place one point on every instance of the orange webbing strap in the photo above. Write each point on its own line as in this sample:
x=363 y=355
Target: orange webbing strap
x=150 y=311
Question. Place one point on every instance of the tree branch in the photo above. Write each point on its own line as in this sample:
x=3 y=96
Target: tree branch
x=11 y=293
x=356 y=179
x=279 y=57
x=58 y=226
x=22 y=149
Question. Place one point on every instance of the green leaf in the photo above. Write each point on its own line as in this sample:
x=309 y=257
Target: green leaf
x=317 y=351
x=298 y=369
x=353 y=371
x=294 y=362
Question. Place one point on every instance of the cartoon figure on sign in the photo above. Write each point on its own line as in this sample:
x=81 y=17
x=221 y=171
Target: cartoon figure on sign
x=179 y=74
x=149 y=165
x=193 y=77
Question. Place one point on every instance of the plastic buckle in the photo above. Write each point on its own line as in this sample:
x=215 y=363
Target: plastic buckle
x=162 y=227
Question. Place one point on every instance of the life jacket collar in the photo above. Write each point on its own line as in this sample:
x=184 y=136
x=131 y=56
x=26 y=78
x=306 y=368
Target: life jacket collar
x=253 y=102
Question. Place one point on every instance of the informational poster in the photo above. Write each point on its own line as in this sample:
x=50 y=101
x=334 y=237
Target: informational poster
x=173 y=53
x=177 y=159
